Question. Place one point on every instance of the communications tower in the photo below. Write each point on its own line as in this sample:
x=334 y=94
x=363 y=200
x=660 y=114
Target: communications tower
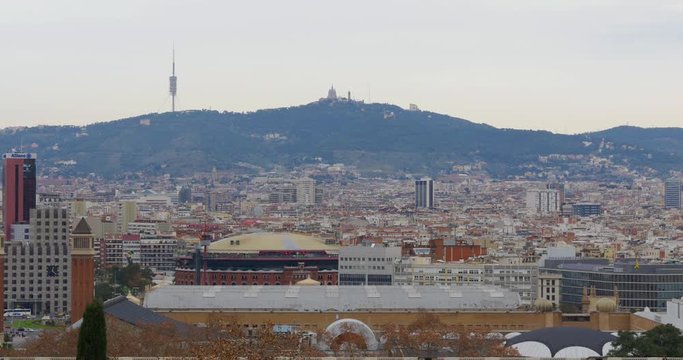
x=173 y=84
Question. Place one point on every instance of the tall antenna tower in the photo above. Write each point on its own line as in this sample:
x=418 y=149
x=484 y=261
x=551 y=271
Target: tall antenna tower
x=173 y=83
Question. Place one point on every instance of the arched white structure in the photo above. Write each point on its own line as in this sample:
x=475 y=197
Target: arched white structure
x=540 y=350
x=512 y=334
x=578 y=352
x=607 y=348
x=358 y=327
x=533 y=349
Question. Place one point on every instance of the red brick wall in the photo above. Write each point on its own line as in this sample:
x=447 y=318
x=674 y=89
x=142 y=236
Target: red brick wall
x=285 y=277
x=82 y=284
x=2 y=290
x=462 y=252
x=454 y=252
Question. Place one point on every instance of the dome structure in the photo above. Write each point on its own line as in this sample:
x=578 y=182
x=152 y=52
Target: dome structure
x=543 y=305
x=308 y=282
x=606 y=305
x=351 y=325
x=270 y=241
x=562 y=342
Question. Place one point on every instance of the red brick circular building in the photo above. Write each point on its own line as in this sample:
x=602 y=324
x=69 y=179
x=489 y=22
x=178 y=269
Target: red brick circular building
x=261 y=258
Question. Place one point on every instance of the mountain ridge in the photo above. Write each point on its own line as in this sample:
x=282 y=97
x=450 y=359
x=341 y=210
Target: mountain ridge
x=380 y=138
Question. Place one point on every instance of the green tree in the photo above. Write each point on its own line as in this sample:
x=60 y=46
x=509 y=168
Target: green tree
x=132 y=276
x=104 y=291
x=661 y=341
x=92 y=339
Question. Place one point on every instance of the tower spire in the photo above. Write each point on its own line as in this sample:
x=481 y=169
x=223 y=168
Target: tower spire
x=173 y=82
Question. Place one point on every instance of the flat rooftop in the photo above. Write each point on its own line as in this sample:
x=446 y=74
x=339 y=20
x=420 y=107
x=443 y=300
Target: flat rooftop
x=331 y=298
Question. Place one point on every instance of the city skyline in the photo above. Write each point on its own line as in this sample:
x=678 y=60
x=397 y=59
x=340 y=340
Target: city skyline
x=595 y=65
x=317 y=180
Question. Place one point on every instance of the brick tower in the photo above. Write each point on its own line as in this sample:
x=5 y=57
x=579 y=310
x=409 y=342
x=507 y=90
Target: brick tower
x=82 y=269
x=2 y=283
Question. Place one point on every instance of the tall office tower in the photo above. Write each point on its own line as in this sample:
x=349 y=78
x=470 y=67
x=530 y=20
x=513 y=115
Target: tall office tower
x=305 y=191
x=424 y=193
x=19 y=190
x=37 y=271
x=82 y=269
x=543 y=201
x=77 y=209
x=672 y=194
x=127 y=212
x=319 y=195
x=559 y=187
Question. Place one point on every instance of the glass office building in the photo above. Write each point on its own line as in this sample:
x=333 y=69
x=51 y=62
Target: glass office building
x=638 y=285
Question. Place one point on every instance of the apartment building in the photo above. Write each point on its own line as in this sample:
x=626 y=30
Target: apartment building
x=521 y=278
x=37 y=268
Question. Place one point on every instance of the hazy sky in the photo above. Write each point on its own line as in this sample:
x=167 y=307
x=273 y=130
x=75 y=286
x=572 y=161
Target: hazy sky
x=567 y=66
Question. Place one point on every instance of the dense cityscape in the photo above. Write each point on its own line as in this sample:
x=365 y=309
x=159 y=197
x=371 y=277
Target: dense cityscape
x=389 y=179
x=320 y=250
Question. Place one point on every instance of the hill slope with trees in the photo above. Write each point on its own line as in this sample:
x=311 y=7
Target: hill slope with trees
x=377 y=138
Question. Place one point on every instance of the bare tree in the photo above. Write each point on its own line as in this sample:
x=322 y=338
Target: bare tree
x=232 y=342
x=428 y=336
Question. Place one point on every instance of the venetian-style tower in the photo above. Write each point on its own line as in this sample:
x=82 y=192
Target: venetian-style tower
x=2 y=283
x=82 y=269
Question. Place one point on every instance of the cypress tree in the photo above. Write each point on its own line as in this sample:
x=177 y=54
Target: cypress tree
x=92 y=340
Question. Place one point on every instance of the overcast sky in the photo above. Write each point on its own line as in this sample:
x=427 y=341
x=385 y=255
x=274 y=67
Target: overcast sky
x=565 y=66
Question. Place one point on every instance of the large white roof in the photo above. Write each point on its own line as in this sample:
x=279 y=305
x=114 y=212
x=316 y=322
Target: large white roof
x=277 y=241
x=331 y=298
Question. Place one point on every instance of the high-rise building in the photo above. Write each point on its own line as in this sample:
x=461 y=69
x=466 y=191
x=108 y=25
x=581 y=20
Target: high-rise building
x=77 y=208
x=82 y=269
x=305 y=192
x=672 y=194
x=127 y=212
x=38 y=268
x=546 y=201
x=424 y=193
x=19 y=189
x=560 y=189
x=216 y=200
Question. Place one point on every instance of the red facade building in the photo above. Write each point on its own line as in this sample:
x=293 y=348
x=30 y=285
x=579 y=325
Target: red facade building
x=455 y=251
x=19 y=189
x=260 y=258
x=288 y=275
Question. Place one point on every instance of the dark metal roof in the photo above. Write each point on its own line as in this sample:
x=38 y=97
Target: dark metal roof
x=121 y=308
x=558 y=338
x=82 y=228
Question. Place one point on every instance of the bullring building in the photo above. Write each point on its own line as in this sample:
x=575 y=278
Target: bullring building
x=261 y=258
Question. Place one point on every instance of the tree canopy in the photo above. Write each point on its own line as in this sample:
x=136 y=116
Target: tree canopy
x=132 y=276
x=427 y=336
x=92 y=339
x=661 y=341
